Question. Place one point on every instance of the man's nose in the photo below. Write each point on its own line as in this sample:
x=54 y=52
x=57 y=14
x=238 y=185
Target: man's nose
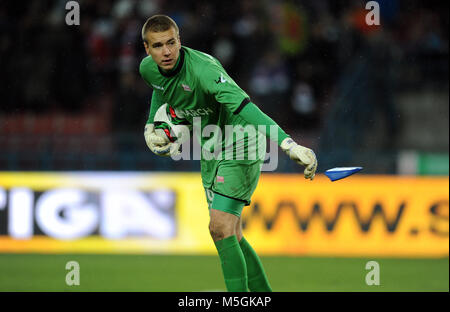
x=166 y=50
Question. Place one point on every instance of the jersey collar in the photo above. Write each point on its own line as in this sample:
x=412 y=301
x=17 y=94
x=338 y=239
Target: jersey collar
x=177 y=68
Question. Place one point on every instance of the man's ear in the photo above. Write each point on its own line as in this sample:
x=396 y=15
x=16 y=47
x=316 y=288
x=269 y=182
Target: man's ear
x=147 y=48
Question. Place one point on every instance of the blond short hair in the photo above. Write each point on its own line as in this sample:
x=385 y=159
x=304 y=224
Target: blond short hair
x=158 y=23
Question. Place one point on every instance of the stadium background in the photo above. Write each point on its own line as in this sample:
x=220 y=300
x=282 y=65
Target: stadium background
x=77 y=181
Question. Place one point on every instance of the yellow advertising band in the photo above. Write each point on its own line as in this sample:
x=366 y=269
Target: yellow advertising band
x=167 y=213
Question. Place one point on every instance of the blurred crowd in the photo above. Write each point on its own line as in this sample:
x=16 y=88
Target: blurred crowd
x=292 y=57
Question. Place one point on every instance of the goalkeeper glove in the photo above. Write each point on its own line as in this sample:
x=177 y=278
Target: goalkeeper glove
x=159 y=145
x=301 y=155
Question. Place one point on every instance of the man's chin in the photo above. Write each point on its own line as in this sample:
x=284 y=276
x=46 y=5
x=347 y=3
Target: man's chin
x=167 y=67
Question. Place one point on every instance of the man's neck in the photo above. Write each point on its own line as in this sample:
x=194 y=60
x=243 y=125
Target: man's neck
x=168 y=71
x=176 y=69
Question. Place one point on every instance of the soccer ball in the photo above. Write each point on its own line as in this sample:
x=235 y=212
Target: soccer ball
x=170 y=126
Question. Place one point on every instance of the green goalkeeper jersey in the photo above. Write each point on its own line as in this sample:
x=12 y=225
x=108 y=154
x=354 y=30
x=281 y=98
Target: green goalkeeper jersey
x=200 y=91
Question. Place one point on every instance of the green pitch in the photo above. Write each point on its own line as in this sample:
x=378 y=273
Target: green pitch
x=35 y=272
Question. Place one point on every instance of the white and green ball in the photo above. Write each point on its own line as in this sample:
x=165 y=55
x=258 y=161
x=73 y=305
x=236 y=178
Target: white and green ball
x=170 y=126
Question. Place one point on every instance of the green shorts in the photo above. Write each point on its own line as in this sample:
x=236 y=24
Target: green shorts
x=233 y=186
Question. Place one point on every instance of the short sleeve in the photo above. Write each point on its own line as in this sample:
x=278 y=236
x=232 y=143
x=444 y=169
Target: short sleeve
x=156 y=103
x=145 y=71
x=216 y=82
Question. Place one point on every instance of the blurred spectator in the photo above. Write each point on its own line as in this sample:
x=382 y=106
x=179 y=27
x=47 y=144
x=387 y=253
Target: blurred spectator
x=269 y=84
x=304 y=104
x=301 y=62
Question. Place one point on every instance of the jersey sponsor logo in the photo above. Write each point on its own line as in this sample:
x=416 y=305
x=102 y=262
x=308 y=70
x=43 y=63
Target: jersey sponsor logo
x=197 y=112
x=221 y=79
x=186 y=87
x=157 y=87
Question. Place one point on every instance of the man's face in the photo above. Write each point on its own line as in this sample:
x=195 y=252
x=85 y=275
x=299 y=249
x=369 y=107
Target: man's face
x=164 y=47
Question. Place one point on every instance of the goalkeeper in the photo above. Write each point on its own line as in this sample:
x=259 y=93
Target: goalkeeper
x=194 y=84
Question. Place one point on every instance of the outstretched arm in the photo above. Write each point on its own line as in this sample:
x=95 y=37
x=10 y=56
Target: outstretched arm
x=217 y=82
x=300 y=154
x=253 y=115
